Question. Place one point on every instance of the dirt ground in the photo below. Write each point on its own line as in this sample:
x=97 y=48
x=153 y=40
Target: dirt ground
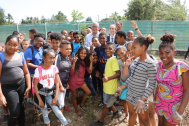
x=93 y=114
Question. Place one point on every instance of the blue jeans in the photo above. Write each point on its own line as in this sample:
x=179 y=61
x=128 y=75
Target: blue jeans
x=89 y=83
x=55 y=109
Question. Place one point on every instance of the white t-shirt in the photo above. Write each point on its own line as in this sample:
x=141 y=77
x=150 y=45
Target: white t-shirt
x=47 y=78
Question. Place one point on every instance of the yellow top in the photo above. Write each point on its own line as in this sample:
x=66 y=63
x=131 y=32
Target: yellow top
x=110 y=69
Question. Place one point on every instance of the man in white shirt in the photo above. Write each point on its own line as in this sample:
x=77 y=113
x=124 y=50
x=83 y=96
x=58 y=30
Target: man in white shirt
x=112 y=31
x=95 y=32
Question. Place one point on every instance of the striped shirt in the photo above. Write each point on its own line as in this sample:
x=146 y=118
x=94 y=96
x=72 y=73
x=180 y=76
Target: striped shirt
x=141 y=72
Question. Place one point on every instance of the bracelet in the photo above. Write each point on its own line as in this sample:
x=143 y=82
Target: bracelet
x=136 y=29
x=141 y=101
x=180 y=116
x=119 y=88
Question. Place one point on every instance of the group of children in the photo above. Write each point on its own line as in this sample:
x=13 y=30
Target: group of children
x=45 y=69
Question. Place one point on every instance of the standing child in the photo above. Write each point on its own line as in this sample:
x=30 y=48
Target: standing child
x=173 y=90
x=63 y=63
x=55 y=41
x=25 y=44
x=32 y=32
x=95 y=43
x=76 y=44
x=71 y=35
x=2 y=46
x=14 y=87
x=121 y=52
x=111 y=74
x=46 y=86
x=142 y=70
x=80 y=63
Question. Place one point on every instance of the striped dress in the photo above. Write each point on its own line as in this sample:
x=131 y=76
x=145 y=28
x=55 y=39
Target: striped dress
x=141 y=72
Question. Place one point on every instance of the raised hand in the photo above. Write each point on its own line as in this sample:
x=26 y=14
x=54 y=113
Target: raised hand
x=91 y=58
x=133 y=24
x=105 y=79
x=129 y=60
x=75 y=58
x=91 y=46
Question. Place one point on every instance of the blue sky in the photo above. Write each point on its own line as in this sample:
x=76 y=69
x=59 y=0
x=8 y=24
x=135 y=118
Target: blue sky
x=36 y=8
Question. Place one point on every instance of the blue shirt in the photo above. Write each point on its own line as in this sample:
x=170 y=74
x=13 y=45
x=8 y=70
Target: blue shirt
x=35 y=58
x=102 y=57
x=75 y=47
x=88 y=39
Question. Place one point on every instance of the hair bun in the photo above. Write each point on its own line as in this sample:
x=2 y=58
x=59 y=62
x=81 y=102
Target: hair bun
x=150 y=39
x=168 y=38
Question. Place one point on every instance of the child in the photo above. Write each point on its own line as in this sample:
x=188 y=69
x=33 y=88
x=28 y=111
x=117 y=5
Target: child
x=102 y=57
x=32 y=32
x=172 y=93
x=121 y=52
x=71 y=35
x=25 y=44
x=63 y=63
x=89 y=81
x=14 y=87
x=65 y=33
x=103 y=29
x=119 y=25
x=95 y=43
x=111 y=74
x=46 y=86
x=80 y=63
x=16 y=33
x=2 y=46
x=48 y=40
x=143 y=69
x=55 y=40
x=76 y=44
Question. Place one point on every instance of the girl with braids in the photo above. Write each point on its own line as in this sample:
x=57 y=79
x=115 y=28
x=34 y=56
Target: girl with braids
x=143 y=70
x=81 y=62
x=172 y=93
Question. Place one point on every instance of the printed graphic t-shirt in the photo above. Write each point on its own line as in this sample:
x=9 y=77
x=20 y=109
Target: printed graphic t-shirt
x=47 y=78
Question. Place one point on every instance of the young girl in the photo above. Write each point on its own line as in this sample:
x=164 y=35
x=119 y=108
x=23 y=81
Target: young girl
x=71 y=35
x=25 y=44
x=143 y=69
x=46 y=80
x=121 y=53
x=80 y=63
x=173 y=90
x=13 y=69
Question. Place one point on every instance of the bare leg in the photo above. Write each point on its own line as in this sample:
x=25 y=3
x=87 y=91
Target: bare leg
x=132 y=114
x=152 y=114
x=87 y=93
x=5 y=109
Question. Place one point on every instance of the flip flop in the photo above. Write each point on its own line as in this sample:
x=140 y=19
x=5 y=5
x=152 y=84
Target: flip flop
x=81 y=115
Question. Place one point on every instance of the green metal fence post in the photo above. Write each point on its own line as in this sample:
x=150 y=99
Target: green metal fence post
x=45 y=30
x=152 y=24
x=17 y=29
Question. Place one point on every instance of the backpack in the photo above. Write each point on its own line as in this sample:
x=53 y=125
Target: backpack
x=31 y=49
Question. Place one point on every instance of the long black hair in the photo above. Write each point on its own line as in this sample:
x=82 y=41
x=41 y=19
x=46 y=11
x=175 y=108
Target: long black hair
x=86 y=60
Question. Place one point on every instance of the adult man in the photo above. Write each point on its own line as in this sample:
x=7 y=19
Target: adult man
x=95 y=32
x=112 y=30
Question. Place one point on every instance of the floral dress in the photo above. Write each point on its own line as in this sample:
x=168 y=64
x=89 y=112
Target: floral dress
x=170 y=89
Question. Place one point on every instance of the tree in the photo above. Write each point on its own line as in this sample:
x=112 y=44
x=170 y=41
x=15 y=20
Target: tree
x=140 y=10
x=9 y=17
x=43 y=20
x=89 y=19
x=114 y=16
x=2 y=17
x=77 y=16
x=60 y=17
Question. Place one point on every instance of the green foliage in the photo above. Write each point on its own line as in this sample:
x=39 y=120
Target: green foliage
x=77 y=16
x=89 y=19
x=140 y=10
x=30 y=20
x=91 y=107
x=2 y=17
x=115 y=17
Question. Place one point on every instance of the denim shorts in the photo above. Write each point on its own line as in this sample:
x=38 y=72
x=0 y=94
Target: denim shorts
x=106 y=97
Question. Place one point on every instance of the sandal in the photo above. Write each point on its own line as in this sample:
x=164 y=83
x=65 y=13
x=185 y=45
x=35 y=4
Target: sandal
x=81 y=115
x=84 y=109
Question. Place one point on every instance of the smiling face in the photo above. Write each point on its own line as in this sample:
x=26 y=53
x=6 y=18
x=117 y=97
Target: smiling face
x=102 y=40
x=38 y=42
x=120 y=40
x=121 y=53
x=49 y=40
x=12 y=45
x=66 y=50
x=130 y=35
x=95 y=28
x=109 y=50
x=95 y=42
x=166 y=54
x=118 y=26
x=112 y=29
x=65 y=33
x=83 y=54
x=49 y=58
x=55 y=44
x=25 y=44
x=77 y=38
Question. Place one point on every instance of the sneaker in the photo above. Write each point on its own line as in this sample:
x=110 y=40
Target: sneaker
x=66 y=109
x=116 y=115
x=5 y=118
x=100 y=104
x=98 y=123
x=69 y=120
x=110 y=112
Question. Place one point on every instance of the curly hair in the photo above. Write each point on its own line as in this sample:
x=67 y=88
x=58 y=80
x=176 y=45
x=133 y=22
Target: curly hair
x=86 y=60
x=145 y=40
x=167 y=41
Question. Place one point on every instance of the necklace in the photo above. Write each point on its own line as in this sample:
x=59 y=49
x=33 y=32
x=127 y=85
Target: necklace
x=169 y=65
